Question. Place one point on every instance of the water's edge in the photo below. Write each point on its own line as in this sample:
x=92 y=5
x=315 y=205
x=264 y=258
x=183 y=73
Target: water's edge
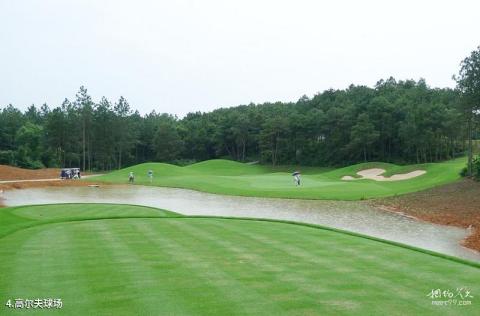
x=355 y=216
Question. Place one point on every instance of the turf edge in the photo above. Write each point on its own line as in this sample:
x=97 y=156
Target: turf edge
x=179 y=216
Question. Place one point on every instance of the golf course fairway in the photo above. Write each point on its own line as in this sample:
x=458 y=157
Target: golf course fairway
x=104 y=259
x=235 y=178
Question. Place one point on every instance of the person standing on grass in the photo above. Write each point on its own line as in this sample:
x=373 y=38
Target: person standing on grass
x=150 y=175
x=131 y=177
x=296 y=177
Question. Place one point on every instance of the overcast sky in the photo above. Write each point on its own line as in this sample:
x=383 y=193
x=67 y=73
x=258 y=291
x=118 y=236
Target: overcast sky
x=182 y=56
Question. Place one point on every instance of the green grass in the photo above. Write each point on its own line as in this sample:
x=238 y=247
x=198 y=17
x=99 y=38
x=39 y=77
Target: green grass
x=234 y=178
x=105 y=259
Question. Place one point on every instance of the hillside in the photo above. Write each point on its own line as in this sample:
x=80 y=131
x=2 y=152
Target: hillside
x=234 y=178
x=455 y=204
x=14 y=173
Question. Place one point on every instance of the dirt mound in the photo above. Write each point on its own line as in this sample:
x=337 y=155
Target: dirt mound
x=9 y=173
x=456 y=204
x=376 y=174
x=41 y=184
x=14 y=173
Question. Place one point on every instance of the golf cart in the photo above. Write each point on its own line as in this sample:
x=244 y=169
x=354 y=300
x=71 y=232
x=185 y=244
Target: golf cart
x=70 y=173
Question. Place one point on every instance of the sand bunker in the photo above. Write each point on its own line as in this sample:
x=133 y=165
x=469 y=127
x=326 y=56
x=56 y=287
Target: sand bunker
x=376 y=174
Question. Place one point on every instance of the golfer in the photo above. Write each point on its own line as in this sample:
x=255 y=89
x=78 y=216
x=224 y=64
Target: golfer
x=296 y=177
x=131 y=177
x=150 y=175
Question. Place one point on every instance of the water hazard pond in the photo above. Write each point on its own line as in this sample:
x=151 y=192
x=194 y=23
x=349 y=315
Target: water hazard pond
x=356 y=216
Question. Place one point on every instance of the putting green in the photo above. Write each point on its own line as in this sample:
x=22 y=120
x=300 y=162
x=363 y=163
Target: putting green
x=105 y=259
x=234 y=178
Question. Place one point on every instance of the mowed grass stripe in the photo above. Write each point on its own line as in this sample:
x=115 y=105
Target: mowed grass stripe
x=207 y=284
x=217 y=266
x=255 y=269
x=135 y=280
x=261 y=266
x=329 y=263
x=391 y=272
x=43 y=265
x=186 y=276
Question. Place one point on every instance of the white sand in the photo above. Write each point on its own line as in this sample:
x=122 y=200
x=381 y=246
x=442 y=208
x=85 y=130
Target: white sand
x=376 y=174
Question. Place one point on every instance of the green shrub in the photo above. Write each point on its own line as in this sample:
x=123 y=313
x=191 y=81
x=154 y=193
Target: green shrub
x=476 y=168
x=7 y=157
x=23 y=159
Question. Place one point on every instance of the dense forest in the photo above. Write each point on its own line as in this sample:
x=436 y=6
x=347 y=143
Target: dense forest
x=395 y=121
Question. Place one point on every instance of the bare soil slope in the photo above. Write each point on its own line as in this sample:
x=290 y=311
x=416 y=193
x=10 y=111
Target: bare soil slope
x=14 y=173
x=456 y=204
x=8 y=173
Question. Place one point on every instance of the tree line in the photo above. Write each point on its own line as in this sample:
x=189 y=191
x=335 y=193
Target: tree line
x=394 y=121
x=404 y=121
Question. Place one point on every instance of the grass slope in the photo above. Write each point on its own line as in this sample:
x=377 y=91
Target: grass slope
x=234 y=178
x=152 y=262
